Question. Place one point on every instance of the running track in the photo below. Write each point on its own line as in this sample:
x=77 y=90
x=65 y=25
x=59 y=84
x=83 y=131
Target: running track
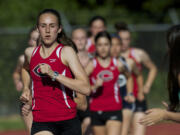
x=161 y=129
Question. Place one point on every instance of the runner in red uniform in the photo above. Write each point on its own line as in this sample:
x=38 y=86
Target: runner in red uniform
x=50 y=66
x=128 y=108
x=140 y=57
x=96 y=25
x=105 y=101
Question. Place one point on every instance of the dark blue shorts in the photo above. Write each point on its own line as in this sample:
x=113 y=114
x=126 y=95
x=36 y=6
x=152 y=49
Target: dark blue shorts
x=125 y=104
x=100 y=118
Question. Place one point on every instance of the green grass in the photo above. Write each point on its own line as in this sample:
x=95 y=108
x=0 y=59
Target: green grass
x=158 y=91
x=11 y=123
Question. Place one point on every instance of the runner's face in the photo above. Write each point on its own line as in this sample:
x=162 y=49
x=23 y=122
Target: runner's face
x=96 y=27
x=126 y=39
x=103 y=47
x=48 y=28
x=80 y=39
x=33 y=38
x=116 y=47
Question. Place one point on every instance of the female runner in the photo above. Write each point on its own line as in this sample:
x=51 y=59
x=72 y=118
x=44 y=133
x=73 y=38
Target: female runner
x=140 y=57
x=96 y=24
x=105 y=101
x=51 y=67
x=128 y=108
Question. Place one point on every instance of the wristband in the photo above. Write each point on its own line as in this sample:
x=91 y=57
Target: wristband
x=55 y=75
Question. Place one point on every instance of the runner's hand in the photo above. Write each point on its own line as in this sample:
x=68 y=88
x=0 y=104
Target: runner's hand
x=129 y=98
x=26 y=108
x=46 y=69
x=153 y=116
x=140 y=96
x=25 y=96
x=146 y=89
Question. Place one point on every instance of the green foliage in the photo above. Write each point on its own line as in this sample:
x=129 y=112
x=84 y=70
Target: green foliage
x=155 y=6
x=158 y=91
x=24 y=12
x=11 y=47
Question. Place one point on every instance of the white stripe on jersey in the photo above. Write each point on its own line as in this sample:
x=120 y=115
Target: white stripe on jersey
x=94 y=63
x=115 y=61
x=32 y=88
x=132 y=53
x=57 y=52
x=64 y=90
x=116 y=93
x=35 y=50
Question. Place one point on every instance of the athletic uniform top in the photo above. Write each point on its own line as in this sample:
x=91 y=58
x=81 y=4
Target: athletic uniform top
x=52 y=101
x=122 y=78
x=131 y=55
x=107 y=97
x=90 y=47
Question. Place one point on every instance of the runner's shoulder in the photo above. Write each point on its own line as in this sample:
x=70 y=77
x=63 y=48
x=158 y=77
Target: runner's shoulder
x=139 y=51
x=28 y=51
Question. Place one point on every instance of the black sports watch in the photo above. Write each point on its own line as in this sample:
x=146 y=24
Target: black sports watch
x=55 y=75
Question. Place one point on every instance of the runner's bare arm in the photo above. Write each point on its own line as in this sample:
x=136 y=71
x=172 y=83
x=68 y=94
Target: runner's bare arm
x=156 y=115
x=99 y=82
x=25 y=97
x=89 y=68
x=147 y=62
x=140 y=80
x=81 y=101
x=17 y=73
x=81 y=82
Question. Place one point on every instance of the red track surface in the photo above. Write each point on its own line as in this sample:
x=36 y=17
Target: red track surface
x=161 y=129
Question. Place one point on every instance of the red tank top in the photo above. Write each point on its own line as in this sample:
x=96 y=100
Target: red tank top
x=107 y=97
x=90 y=47
x=135 y=87
x=52 y=101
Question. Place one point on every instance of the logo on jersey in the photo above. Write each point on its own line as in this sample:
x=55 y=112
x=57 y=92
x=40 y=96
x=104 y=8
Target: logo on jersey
x=112 y=68
x=37 y=72
x=106 y=75
x=52 y=60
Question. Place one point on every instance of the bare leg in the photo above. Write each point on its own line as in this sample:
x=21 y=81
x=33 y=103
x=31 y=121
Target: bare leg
x=127 y=116
x=138 y=129
x=28 y=121
x=113 y=127
x=86 y=122
x=99 y=130
x=44 y=133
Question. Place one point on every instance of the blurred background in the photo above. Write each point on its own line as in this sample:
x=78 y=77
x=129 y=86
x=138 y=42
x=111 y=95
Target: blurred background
x=147 y=19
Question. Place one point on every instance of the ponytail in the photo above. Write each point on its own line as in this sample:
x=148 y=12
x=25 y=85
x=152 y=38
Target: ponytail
x=63 y=39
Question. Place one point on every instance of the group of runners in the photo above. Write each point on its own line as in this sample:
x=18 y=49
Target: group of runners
x=91 y=83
